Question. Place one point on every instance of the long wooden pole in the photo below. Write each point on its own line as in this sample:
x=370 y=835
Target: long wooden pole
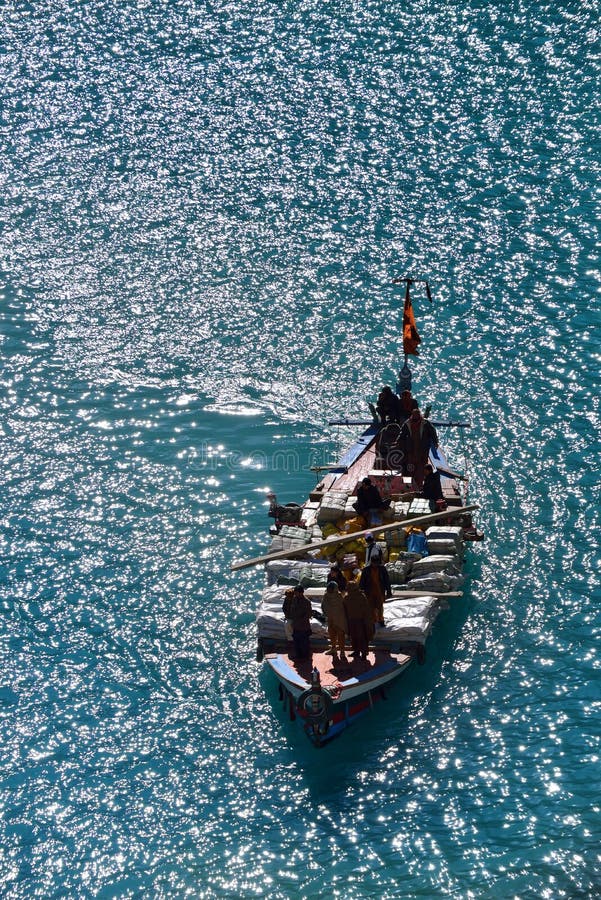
x=372 y=422
x=345 y=538
x=400 y=594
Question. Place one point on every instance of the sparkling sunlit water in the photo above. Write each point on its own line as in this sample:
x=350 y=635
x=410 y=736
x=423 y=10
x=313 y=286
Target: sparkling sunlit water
x=202 y=209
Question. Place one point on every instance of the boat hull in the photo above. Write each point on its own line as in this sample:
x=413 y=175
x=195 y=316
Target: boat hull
x=351 y=687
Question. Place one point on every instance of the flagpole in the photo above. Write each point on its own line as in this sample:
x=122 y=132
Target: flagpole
x=409 y=335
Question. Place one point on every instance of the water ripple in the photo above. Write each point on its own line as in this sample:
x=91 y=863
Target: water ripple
x=203 y=208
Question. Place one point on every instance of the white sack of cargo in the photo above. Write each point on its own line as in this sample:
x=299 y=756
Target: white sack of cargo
x=270 y=625
x=293 y=571
x=313 y=575
x=272 y=598
x=408 y=619
x=296 y=533
x=449 y=564
x=444 y=547
x=285 y=543
x=278 y=568
x=446 y=532
x=405 y=628
x=397 y=511
x=436 y=582
x=310 y=518
x=332 y=508
x=411 y=606
x=419 y=507
x=349 y=510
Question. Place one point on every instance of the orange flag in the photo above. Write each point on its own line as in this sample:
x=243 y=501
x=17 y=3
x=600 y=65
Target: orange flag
x=410 y=336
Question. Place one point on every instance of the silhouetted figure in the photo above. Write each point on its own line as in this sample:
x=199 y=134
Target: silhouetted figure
x=416 y=438
x=369 y=501
x=375 y=580
x=360 y=619
x=432 y=488
x=388 y=405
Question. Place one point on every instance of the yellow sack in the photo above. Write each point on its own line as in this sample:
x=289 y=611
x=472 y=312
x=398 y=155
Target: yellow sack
x=352 y=525
x=328 y=529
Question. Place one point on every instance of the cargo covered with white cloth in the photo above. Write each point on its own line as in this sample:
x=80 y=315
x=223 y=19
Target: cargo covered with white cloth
x=406 y=619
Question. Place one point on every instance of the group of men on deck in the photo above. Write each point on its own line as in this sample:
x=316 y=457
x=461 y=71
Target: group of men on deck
x=405 y=440
x=353 y=607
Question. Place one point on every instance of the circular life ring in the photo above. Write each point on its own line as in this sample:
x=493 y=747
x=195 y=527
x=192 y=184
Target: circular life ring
x=316 y=706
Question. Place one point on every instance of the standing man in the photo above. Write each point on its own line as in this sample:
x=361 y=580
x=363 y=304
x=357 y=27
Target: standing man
x=375 y=580
x=299 y=611
x=432 y=488
x=360 y=619
x=333 y=609
x=416 y=438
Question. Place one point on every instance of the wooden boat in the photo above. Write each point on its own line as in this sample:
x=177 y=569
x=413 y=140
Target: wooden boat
x=326 y=694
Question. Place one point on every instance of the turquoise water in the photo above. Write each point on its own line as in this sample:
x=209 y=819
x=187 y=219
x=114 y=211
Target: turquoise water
x=202 y=210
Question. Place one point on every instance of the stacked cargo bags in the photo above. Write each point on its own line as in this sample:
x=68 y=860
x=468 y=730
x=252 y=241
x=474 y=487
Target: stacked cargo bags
x=444 y=547
x=355 y=548
x=435 y=582
x=406 y=619
x=328 y=529
x=349 y=510
x=309 y=576
x=290 y=537
x=339 y=551
x=438 y=582
x=440 y=571
x=397 y=511
x=294 y=571
x=429 y=564
x=296 y=532
x=399 y=570
x=332 y=507
x=419 y=507
x=435 y=573
x=397 y=538
x=438 y=574
x=271 y=621
x=445 y=539
x=349 y=526
x=284 y=543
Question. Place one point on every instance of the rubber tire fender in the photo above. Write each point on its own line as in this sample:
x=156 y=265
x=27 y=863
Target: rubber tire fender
x=316 y=705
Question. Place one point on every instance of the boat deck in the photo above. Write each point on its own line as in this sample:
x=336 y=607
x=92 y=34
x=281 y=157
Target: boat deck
x=359 y=469
x=366 y=462
x=332 y=674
